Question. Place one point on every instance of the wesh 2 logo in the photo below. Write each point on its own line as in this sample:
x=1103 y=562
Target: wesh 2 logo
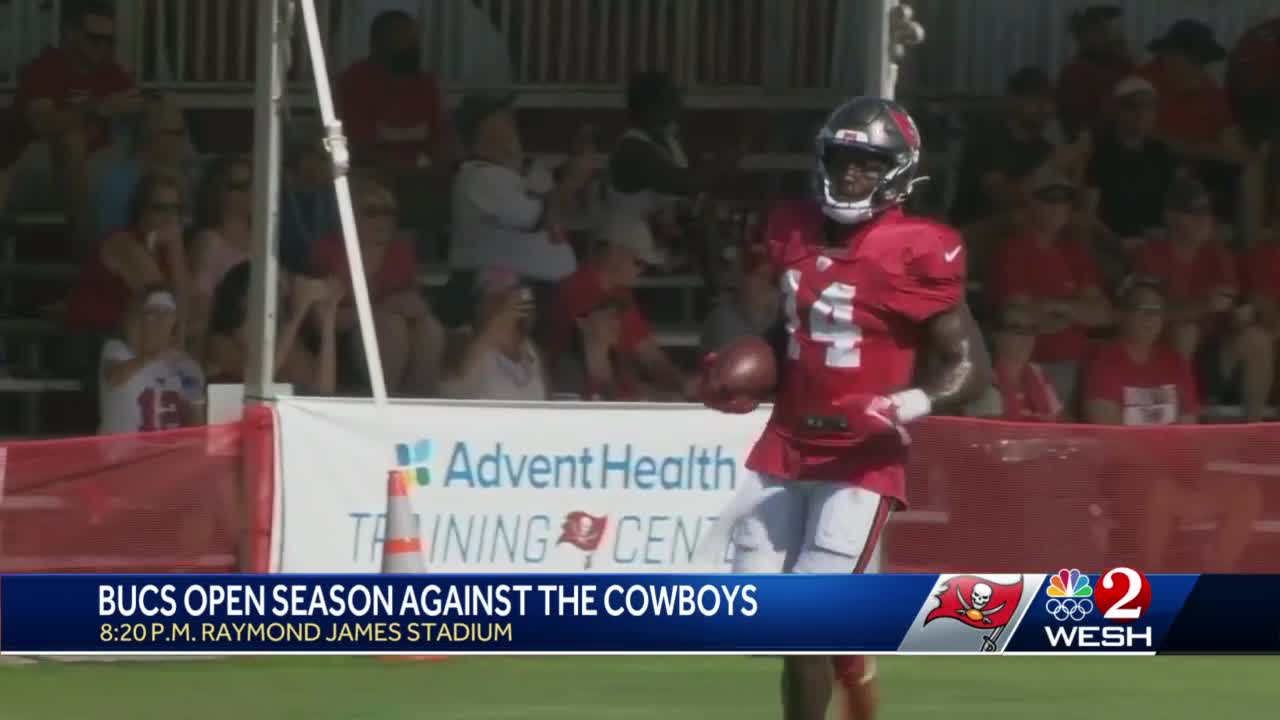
x=1123 y=596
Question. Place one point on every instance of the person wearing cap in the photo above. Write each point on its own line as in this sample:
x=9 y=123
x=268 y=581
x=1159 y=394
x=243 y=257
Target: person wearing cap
x=593 y=368
x=1205 y=322
x=1102 y=59
x=507 y=211
x=1137 y=380
x=626 y=247
x=148 y=382
x=752 y=309
x=997 y=158
x=392 y=111
x=1131 y=168
x=1194 y=115
x=1057 y=276
x=496 y=359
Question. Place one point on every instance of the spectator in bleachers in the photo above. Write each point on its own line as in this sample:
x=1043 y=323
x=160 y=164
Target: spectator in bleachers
x=306 y=352
x=1253 y=82
x=410 y=338
x=69 y=97
x=626 y=249
x=1233 y=355
x=148 y=252
x=160 y=146
x=653 y=179
x=999 y=158
x=224 y=234
x=308 y=202
x=1021 y=390
x=1138 y=380
x=1131 y=168
x=496 y=359
x=1194 y=114
x=148 y=381
x=1057 y=276
x=507 y=213
x=594 y=366
x=395 y=118
x=1102 y=59
x=753 y=308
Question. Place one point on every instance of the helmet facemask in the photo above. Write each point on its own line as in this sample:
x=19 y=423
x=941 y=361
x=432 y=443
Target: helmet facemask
x=886 y=178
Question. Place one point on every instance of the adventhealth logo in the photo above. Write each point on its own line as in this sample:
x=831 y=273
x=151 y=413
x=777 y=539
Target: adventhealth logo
x=608 y=465
x=414 y=458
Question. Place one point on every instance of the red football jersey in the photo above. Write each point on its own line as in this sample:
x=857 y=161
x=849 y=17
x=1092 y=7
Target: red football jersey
x=855 y=318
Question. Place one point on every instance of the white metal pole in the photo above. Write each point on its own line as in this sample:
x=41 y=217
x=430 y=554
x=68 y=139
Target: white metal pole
x=268 y=89
x=336 y=143
x=881 y=75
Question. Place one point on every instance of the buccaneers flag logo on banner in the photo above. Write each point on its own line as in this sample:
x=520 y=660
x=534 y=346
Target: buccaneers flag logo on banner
x=976 y=602
x=583 y=530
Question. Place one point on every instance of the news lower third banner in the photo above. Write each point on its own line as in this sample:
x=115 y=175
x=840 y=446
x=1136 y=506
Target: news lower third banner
x=1120 y=611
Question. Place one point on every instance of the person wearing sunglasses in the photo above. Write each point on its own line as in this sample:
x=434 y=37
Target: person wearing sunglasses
x=1025 y=394
x=68 y=98
x=147 y=253
x=410 y=338
x=1206 y=322
x=1138 y=380
x=224 y=235
x=1057 y=276
x=160 y=145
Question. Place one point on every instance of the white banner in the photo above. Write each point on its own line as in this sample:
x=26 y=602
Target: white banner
x=561 y=487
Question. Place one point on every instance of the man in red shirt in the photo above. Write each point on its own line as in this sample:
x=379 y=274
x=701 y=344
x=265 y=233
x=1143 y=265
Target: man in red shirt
x=1194 y=115
x=69 y=96
x=1103 y=58
x=1137 y=380
x=1058 y=277
x=628 y=248
x=1233 y=355
x=395 y=118
x=866 y=290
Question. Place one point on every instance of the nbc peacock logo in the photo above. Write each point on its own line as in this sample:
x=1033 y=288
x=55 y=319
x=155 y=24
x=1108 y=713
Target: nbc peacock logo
x=413 y=459
x=1069 y=596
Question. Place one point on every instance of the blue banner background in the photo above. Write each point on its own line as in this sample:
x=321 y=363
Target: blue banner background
x=867 y=613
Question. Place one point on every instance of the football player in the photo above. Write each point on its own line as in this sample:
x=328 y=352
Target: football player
x=866 y=289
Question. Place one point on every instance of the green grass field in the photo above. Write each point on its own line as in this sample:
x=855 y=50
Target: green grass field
x=603 y=688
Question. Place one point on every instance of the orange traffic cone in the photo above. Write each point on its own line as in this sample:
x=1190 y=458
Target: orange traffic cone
x=402 y=548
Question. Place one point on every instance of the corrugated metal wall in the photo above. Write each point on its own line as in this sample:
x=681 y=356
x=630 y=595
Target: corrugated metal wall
x=974 y=45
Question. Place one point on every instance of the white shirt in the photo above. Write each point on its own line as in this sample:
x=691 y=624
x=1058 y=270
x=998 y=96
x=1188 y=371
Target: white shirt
x=153 y=399
x=497 y=377
x=497 y=217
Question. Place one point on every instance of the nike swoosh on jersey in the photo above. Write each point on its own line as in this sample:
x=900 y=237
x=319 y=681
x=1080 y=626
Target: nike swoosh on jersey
x=951 y=254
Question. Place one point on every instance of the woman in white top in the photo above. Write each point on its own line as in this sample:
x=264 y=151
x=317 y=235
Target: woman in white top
x=495 y=359
x=148 y=382
x=224 y=206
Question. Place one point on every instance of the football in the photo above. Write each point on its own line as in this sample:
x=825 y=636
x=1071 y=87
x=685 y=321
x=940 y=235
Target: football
x=745 y=368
